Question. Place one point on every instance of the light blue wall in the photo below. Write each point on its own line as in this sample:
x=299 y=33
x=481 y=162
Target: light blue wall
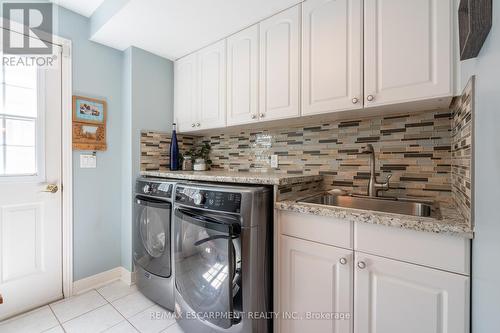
x=138 y=87
x=486 y=245
x=148 y=96
x=97 y=72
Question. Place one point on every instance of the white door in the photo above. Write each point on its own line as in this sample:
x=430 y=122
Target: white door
x=316 y=279
x=30 y=159
x=279 y=65
x=185 y=93
x=408 y=50
x=332 y=75
x=243 y=77
x=212 y=83
x=395 y=297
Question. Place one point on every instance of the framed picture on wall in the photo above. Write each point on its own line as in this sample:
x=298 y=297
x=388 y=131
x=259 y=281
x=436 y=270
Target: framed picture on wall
x=89 y=136
x=89 y=110
x=89 y=123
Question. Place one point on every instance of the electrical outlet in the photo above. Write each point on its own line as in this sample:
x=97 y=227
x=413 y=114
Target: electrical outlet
x=274 y=161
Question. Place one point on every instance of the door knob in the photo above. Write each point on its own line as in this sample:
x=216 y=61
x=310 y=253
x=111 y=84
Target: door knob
x=51 y=188
x=370 y=98
x=254 y=116
x=262 y=115
x=343 y=261
x=193 y=125
x=197 y=124
x=355 y=100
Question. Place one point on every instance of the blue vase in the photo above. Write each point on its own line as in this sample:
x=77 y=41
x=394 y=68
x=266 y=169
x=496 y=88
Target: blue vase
x=174 y=151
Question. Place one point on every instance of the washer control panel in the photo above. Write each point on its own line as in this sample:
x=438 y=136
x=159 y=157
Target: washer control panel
x=154 y=188
x=209 y=199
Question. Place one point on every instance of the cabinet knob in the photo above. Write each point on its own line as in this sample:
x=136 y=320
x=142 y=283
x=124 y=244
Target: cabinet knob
x=361 y=265
x=193 y=125
x=370 y=98
x=343 y=261
x=262 y=115
x=355 y=100
x=254 y=116
x=198 y=124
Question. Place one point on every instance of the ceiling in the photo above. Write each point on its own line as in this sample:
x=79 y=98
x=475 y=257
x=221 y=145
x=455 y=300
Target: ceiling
x=83 y=7
x=174 y=28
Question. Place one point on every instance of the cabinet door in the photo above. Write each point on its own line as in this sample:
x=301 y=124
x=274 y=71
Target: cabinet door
x=395 y=297
x=243 y=77
x=332 y=56
x=185 y=92
x=212 y=83
x=314 y=281
x=408 y=50
x=279 y=65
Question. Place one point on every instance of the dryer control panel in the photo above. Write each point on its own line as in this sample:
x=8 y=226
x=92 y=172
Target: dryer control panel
x=154 y=188
x=209 y=199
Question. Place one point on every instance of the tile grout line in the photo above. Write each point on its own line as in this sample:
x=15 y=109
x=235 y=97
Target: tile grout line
x=111 y=304
x=59 y=321
x=126 y=319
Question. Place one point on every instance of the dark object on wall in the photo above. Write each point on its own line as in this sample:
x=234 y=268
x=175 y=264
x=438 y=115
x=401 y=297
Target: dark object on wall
x=474 y=21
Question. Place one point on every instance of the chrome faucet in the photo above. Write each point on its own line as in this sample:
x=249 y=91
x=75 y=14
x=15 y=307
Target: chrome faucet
x=373 y=186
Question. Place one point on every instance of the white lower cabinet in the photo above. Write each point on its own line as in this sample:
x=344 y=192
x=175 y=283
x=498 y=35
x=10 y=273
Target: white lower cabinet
x=393 y=297
x=316 y=280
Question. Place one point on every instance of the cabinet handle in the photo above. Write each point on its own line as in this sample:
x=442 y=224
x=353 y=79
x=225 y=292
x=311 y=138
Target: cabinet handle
x=197 y=124
x=355 y=100
x=361 y=265
x=254 y=116
x=262 y=115
x=343 y=261
x=370 y=98
x=193 y=125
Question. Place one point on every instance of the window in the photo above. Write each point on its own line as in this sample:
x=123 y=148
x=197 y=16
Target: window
x=19 y=121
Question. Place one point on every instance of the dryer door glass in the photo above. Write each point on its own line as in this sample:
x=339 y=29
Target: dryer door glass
x=205 y=263
x=152 y=236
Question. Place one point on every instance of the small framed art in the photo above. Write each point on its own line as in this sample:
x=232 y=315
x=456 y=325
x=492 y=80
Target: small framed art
x=89 y=123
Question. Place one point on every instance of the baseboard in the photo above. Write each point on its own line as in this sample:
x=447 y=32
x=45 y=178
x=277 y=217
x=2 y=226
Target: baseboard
x=127 y=276
x=101 y=279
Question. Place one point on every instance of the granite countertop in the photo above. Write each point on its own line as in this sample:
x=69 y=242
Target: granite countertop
x=451 y=222
x=261 y=178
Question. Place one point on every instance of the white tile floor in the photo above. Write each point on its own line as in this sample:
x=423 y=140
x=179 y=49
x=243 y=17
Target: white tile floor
x=114 y=308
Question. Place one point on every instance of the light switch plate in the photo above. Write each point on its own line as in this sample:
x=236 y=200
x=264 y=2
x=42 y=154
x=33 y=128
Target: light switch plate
x=274 y=161
x=88 y=161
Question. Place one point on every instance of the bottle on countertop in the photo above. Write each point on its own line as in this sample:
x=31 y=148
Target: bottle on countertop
x=174 y=150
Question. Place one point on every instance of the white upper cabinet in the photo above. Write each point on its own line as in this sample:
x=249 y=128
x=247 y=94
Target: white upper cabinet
x=279 y=65
x=318 y=57
x=243 y=77
x=408 y=50
x=212 y=86
x=332 y=75
x=185 y=92
x=395 y=297
x=315 y=278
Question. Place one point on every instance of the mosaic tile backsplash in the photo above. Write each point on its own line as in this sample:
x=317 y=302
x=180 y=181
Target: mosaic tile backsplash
x=428 y=154
x=155 y=149
x=461 y=150
x=414 y=148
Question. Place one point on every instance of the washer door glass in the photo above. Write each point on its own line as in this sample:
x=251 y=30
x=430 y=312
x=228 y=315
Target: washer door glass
x=152 y=231
x=205 y=265
x=152 y=236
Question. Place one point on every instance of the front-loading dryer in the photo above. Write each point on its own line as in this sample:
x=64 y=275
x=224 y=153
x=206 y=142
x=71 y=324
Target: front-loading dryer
x=152 y=235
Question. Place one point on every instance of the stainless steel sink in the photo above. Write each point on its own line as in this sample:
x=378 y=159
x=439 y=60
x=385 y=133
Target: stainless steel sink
x=393 y=205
